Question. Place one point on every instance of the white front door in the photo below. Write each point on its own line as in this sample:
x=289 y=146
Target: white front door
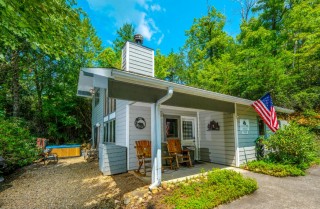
x=189 y=133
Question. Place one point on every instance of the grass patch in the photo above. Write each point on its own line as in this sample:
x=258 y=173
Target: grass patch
x=220 y=186
x=273 y=169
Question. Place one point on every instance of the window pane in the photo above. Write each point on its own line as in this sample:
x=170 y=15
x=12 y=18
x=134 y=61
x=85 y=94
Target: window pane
x=105 y=137
x=261 y=127
x=172 y=128
x=105 y=106
x=111 y=105
x=97 y=97
x=114 y=131
x=187 y=130
x=111 y=131
x=95 y=136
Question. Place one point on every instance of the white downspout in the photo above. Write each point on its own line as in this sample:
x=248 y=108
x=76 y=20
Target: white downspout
x=156 y=140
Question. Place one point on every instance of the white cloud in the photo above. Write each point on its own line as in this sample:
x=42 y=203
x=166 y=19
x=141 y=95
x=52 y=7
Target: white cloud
x=160 y=39
x=109 y=42
x=155 y=7
x=132 y=11
x=146 y=27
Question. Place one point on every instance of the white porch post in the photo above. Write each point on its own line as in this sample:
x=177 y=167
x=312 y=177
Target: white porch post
x=156 y=139
x=156 y=144
x=236 y=140
x=153 y=144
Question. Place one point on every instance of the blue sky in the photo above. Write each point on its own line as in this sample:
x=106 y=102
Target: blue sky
x=162 y=22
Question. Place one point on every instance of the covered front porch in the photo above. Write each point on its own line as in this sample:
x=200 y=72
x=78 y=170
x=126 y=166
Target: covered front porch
x=184 y=172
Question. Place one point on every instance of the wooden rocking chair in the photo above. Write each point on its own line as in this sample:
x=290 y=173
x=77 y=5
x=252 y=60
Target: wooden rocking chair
x=143 y=149
x=175 y=150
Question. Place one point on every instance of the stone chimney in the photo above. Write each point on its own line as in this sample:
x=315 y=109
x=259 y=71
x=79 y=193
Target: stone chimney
x=137 y=58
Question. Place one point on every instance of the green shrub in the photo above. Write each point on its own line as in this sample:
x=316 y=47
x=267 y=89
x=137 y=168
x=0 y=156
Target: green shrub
x=273 y=169
x=292 y=145
x=221 y=186
x=17 y=147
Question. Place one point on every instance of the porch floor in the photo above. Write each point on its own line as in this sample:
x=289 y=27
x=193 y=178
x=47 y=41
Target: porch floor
x=184 y=171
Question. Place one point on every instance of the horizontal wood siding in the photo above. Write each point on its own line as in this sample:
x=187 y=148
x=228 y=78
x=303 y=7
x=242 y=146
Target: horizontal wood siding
x=121 y=122
x=217 y=146
x=97 y=115
x=112 y=159
x=140 y=59
x=247 y=141
x=138 y=134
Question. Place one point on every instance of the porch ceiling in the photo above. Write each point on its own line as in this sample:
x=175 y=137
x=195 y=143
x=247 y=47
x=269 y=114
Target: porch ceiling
x=140 y=93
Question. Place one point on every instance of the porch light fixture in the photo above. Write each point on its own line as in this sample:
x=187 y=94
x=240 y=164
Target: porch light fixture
x=92 y=91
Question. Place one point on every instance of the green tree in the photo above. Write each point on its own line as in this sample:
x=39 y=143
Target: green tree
x=301 y=29
x=208 y=50
x=169 y=67
x=109 y=59
x=40 y=57
x=124 y=33
x=30 y=24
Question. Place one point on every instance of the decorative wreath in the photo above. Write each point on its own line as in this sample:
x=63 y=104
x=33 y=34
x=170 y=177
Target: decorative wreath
x=140 y=123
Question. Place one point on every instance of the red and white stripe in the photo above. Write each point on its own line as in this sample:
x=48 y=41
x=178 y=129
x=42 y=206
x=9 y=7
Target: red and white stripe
x=269 y=117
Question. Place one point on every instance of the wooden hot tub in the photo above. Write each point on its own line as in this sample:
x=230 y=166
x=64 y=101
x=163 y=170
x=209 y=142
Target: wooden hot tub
x=68 y=150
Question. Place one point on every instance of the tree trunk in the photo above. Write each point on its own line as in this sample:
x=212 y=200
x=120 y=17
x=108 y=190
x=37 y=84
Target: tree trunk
x=38 y=89
x=15 y=84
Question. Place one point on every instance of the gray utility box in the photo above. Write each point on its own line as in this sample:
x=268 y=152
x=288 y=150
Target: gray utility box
x=112 y=159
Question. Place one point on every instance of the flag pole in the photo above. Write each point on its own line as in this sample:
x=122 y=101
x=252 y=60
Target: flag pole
x=268 y=92
x=247 y=109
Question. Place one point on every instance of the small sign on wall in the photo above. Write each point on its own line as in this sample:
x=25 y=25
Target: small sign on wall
x=244 y=126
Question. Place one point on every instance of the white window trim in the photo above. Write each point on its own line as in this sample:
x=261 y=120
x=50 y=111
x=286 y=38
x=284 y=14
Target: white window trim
x=109 y=117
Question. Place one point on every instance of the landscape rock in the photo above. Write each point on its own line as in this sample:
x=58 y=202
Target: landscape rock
x=126 y=200
x=154 y=191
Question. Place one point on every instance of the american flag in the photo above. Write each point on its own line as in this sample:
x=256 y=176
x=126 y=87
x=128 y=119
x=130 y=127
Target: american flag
x=265 y=109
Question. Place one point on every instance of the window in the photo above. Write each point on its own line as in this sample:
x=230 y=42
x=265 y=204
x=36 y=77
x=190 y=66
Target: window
x=172 y=128
x=105 y=132
x=97 y=97
x=187 y=130
x=110 y=131
x=105 y=104
x=109 y=104
x=262 y=128
x=112 y=105
x=95 y=136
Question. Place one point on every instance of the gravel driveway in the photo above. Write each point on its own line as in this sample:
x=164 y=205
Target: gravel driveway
x=72 y=183
x=290 y=192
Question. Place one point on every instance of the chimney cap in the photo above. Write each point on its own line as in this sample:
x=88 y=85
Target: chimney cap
x=138 y=38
